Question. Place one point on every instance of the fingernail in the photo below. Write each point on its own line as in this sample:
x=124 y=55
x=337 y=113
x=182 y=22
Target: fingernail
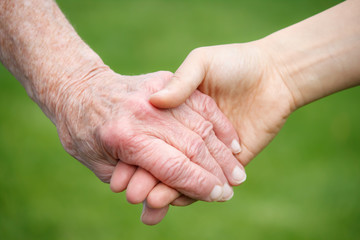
x=228 y=192
x=239 y=175
x=143 y=210
x=235 y=147
x=216 y=193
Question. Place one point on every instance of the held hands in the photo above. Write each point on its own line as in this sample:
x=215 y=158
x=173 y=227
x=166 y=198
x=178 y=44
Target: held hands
x=106 y=121
x=184 y=149
x=113 y=124
x=246 y=84
x=249 y=90
x=109 y=125
x=257 y=85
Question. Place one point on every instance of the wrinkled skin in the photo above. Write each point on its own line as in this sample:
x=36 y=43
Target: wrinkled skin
x=109 y=118
x=248 y=87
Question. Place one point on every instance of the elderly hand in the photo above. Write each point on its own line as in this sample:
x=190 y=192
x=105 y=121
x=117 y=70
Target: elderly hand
x=104 y=118
x=108 y=118
x=139 y=183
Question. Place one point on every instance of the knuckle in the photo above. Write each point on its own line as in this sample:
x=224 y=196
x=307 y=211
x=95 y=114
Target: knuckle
x=135 y=196
x=164 y=74
x=173 y=171
x=104 y=172
x=203 y=104
x=198 y=51
x=176 y=173
x=135 y=149
x=209 y=105
x=110 y=136
x=222 y=155
x=204 y=129
x=201 y=181
x=157 y=82
x=140 y=108
x=120 y=139
x=199 y=154
x=195 y=148
x=177 y=79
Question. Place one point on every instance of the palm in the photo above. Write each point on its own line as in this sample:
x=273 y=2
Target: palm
x=250 y=93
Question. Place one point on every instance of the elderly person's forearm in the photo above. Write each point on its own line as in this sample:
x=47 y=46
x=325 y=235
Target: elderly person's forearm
x=103 y=117
x=43 y=51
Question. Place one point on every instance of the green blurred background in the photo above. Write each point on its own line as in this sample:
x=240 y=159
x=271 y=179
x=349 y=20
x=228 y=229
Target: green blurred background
x=304 y=185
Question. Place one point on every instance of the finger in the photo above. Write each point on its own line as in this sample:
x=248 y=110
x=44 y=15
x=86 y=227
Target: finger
x=198 y=151
x=161 y=196
x=121 y=176
x=184 y=82
x=224 y=130
x=233 y=170
x=152 y=216
x=173 y=168
x=183 y=201
x=185 y=140
x=231 y=167
x=141 y=183
x=162 y=149
x=188 y=141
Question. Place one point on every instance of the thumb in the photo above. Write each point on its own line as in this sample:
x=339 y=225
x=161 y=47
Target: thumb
x=184 y=82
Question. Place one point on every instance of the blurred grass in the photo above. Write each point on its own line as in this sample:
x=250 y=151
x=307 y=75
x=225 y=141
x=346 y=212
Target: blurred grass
x=305 y=185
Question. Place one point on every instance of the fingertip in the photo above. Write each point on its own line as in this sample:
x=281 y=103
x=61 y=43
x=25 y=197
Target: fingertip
x=156 y=200
x=235 y=146
x=160 y=99
x=152 y=216
x=166 y=98
x=121 y=177
x=140 y=186
x=117 y=188
x=216 y=193
x=228 y=193
x=238 y=175
x=161 y=196
x=183 y=201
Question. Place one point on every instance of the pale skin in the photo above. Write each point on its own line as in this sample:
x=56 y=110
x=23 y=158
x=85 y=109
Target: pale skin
x=105 y=120
x=316 y=62
x=257 y=85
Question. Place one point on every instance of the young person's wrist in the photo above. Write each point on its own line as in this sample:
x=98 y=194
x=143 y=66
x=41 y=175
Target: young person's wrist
x=320 y=55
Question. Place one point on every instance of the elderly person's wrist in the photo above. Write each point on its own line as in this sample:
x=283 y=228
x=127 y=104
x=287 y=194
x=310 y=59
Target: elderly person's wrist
x=65 y=86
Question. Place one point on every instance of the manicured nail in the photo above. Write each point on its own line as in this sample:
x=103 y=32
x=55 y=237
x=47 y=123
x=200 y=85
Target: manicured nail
x=228 y=192
x=239 y=175
x=216 y=193
x=235 y=147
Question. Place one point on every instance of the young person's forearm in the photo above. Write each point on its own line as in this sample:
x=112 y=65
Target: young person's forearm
x=42 y=50
x=320 y=55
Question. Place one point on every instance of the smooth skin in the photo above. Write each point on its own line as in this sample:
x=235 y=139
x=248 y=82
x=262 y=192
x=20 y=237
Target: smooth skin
x=257 y=85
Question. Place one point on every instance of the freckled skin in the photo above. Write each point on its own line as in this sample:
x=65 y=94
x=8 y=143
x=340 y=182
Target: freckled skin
x=103 y=117
x=112 y=120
